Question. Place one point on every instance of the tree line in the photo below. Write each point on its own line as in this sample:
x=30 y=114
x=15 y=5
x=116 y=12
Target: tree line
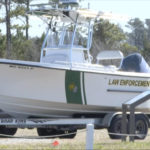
x=109 y=36
x=17 y=44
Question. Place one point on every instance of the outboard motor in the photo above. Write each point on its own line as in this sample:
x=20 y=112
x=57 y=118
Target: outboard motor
x=135 y=62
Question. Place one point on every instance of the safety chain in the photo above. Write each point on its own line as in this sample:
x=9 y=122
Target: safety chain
x=40 y=137
x=67 y=134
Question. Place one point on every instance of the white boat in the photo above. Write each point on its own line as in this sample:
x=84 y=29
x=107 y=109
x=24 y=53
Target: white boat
x=65 y=83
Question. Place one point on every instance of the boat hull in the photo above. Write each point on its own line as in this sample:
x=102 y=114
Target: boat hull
x=28 y=90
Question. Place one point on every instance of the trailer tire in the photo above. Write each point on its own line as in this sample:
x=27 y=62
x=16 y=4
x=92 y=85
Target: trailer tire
x=141 y=125
x=115 y=127
x=53 y=132
x=46 y=132
x=7 y=131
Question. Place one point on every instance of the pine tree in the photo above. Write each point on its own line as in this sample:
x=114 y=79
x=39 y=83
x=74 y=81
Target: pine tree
x=8 y=28
x=137 y=35
x=107 y=36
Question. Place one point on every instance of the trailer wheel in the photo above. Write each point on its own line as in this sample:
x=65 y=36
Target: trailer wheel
x=141 y=125
x=115 y=127
x=46 y=132
x=7 y=131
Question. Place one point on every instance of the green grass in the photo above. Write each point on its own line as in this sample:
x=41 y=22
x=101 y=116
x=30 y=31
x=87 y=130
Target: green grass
x=98 y=146
x=123 y=146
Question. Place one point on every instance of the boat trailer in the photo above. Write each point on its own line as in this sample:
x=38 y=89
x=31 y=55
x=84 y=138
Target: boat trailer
x=35 y=123
x=128 y=111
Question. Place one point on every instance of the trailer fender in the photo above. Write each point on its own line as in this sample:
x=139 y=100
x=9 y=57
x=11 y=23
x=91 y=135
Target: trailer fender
x=108 y=118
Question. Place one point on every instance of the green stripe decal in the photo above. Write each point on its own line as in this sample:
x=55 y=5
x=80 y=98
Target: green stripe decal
x=83 y=82
x=73 y=87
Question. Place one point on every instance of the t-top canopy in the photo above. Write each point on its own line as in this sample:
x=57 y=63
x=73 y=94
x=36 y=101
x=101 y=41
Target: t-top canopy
x=82 y=15
x=70 y=15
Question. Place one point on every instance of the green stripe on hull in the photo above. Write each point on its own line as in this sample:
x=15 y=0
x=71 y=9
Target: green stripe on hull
x=83 y=82
x=73 y=87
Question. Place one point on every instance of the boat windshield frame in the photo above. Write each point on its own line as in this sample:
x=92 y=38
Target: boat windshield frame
x=75 y=24
x=75 y=18
x=61 y=32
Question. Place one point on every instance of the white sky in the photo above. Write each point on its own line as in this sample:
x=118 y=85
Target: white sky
x=130 y=8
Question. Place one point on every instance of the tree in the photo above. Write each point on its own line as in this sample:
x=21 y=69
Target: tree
x=24 y=7
x=9 y=14
x=127 y=49
x=140 y=36
x=2 y=45
x=27 y=20
x=8 y=28
x=147 y=22
x=14 y=9
x=137 y=35
x=107 y=36
x=146 y=51
x=24 y=49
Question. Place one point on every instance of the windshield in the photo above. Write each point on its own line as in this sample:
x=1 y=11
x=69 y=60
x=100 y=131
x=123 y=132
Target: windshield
x=63 y=36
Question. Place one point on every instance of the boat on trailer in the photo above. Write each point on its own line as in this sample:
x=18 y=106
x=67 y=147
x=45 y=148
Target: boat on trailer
x=65 y=83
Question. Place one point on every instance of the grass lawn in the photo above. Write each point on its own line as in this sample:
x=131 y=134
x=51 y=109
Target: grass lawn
x=97 y=146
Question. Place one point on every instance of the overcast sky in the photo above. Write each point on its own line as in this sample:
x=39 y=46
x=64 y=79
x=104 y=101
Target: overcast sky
x=132 y=8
